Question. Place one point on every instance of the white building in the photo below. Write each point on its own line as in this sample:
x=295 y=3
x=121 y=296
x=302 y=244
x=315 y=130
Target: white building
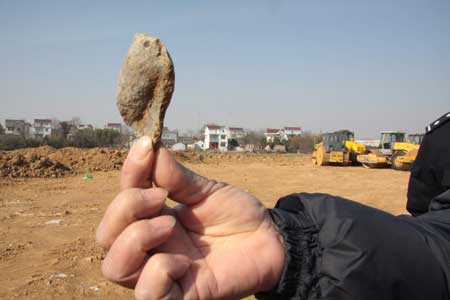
x=293 y=131
x=114 y=126
x=216 y=137
x=42 y=128
x=169 y=137
x=282 y=134
x=17 y=127
x=178 y=147
x=236 y=132
x=272 y=133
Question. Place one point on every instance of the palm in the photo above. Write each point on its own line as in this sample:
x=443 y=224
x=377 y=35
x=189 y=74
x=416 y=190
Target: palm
x=220 y=234
x=224 y=245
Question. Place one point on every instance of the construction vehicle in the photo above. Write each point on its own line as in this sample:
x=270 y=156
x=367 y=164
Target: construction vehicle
x=393 y=151
x=337 y=147
x=415 y=138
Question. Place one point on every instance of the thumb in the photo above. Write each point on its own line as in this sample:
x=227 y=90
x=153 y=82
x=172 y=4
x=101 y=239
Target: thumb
x=184 y=185
x=136 y=169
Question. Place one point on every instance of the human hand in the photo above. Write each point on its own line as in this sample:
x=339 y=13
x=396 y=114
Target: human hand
x=218 y=243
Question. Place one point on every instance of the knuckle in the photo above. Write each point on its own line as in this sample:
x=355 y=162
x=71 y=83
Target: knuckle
x=158 y=262
x=109 y=272
x=104 y=242
x=127 y=202
x=141 y=293
x=135 y=231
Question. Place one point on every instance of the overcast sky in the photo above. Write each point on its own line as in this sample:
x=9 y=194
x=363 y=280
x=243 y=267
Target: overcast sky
x=323 y=65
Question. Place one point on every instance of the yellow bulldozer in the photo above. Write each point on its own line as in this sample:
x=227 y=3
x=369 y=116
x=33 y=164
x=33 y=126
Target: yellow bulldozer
x=337 y=147
x=394 y=151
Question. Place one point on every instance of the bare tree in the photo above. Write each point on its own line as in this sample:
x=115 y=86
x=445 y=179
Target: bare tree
x=75 y=121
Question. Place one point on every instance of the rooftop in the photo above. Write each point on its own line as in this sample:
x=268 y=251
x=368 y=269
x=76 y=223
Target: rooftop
x=272 y=130
x=43 y=121
x=292 y=128
x=214 y=126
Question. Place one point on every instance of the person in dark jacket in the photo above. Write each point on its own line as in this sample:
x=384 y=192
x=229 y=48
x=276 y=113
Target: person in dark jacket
x=221 y=243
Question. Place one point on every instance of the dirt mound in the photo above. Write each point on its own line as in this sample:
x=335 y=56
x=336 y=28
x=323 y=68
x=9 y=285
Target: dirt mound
x=49 y=162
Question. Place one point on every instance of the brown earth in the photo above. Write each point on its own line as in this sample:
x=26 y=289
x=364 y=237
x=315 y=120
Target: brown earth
x=47 y=247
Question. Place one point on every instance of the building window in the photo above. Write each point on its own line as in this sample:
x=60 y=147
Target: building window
x=223 y=144
x=223 y=137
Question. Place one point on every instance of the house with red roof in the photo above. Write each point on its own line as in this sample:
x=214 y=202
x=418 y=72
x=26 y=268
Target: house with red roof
x=114 y=126
x=217 y=136
x=283 y=134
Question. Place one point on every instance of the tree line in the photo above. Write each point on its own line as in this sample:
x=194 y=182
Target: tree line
x=66 y=136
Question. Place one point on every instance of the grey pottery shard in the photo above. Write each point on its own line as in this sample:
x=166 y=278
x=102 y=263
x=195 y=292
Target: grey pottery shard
x=145 y=87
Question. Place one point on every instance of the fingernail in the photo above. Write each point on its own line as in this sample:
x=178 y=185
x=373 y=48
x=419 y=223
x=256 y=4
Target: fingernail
x=142 y=148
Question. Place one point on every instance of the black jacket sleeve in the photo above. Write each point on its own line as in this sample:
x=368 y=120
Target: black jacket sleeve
x=340 y=249
x=430 y=172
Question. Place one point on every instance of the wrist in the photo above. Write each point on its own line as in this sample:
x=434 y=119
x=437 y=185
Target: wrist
x=273 y=253
x=301 y=250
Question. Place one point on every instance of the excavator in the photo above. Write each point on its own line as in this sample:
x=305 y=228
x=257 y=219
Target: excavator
x=337 y=147
x=394 y=151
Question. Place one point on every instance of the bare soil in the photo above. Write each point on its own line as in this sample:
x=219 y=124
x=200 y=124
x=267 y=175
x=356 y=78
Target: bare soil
x=48 y=218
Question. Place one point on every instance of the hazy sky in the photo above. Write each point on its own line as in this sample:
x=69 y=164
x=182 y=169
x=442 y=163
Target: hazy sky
x=323 y=65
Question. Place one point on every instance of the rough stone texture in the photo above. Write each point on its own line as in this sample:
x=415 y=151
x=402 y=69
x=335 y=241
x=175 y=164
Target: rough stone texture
x=146 y=84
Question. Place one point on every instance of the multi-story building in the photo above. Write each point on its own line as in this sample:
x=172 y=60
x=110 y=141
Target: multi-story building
x=293 y=131
x=42 y=128
x=17 y=127
x=169 y=137
x=216 y=137
x=282 y=134
x=114 y=126
x=237 y=133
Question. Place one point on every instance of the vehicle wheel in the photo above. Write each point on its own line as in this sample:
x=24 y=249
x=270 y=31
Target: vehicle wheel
x=318 y=157
x=397 y=164
x=314 y=158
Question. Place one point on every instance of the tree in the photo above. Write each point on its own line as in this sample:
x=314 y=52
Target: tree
x=306 y=142
x=232 y=143
x=293 y=145
x=2 y=130
x=84 y=138
x=55 y=141
x=65 y=128
x=75 y=121
x=252 y=137
x=107 y=137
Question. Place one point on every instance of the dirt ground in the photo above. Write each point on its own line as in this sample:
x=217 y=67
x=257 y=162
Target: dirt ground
x=47 y=247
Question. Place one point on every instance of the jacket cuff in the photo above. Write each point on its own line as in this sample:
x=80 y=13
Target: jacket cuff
x=299 y=277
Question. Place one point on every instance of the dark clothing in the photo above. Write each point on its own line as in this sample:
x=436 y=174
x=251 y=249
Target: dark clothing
x=430 y=173
x=339 y=249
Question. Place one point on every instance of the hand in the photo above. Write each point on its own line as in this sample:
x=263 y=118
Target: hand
x=218 y=243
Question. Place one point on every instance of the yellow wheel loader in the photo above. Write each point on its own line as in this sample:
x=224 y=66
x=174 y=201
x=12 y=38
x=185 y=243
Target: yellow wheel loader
x=337 y=148
x=394 y=151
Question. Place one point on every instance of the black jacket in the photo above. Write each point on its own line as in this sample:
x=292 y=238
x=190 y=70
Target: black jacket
x=340 y=249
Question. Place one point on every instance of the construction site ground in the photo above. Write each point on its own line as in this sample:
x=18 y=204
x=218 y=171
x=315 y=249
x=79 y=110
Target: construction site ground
x=48 y=218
